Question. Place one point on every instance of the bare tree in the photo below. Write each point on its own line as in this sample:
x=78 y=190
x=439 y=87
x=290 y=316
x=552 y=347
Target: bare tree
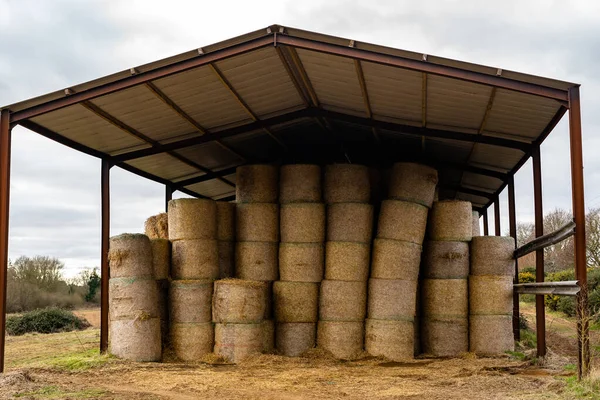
x=42 y=271
x=561 y=255
x=592 y=232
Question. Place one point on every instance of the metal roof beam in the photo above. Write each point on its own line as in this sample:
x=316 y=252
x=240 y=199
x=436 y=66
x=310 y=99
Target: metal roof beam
x=204 y=178
x=424 y=66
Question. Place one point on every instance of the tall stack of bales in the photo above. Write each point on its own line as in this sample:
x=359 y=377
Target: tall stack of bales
x=238 y=312
x=194 y=266
x=133 y=300
x=491 y=295
x=343 y=294
x=156 y=228
x=257 y=232
x=226 y=238
x=445 y=303
x=476 y=228
x=390 y=327
x=301 y=258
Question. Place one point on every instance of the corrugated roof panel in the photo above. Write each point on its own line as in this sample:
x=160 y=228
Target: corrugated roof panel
x=142 y=110
x=451 y=102
x=163 y=166
x=495 y=156
x=334 y=80
x=394 y=92
x=262 y=82
x=447 y=149
x=213 y=188
x=477 y=201
x=480 y=181
x=211 y=155
x=201 y=94
x=81 y=125
x=520 y=115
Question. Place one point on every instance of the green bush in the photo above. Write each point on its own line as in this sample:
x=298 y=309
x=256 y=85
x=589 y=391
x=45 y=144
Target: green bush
x=526 y=277
x=566 y=304
x=47 y=320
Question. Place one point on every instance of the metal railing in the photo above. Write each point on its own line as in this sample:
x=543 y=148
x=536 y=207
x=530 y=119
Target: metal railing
x=547 y=240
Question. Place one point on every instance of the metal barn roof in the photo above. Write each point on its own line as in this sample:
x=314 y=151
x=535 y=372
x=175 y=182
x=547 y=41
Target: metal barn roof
x=285 y=95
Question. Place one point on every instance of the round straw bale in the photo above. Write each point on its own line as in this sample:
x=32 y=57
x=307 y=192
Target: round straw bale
x=236 y=342
x=195 y=259
x=392 y=299
x=226 y=259
x=347 y=183
x=344 y=340
x=301 y=262
x=300 y=183
x=476 y=227
x=225 y=221
x=492 y=255
x=395 y=259
x=238 y=301
x=296 y=301
x=129 y=297
x=391 y=339
x=451 y=220
x=401 y=220
x=190 y=301
x=491 y=334
x=257 y=222
x=303 y=222
x=445 y=297
x=413 y=182
x=446 y=260
x=157 y=226
x=489 y=294
x=192 y=219
x=268 y=327
x=256 y=261
x=130 y=255
x=347 y=261
x=444 y=337
x=350 y=222
x=257 y=183
x=192 y=341
x=343 y=301
x=292 y=339
x=136 y=339
x=161 y=258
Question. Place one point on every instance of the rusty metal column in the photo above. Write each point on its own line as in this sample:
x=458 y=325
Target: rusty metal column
x=512 y=223
x=497 y=216
x=583 y=339
x=5 y=136
x=540 y=311
x=105 y=272
x=168 y=196
x=486 y=228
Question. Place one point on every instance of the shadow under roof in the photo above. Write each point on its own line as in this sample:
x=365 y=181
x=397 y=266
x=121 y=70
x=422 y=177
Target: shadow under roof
x=285 y=95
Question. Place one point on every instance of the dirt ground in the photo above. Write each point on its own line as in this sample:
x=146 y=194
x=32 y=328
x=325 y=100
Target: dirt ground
x=67 y=366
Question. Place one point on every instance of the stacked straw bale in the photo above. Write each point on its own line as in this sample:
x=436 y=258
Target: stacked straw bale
x=194 y=267
x=343 y=294
x=156 y=228
x=301 y=258
x=491 y=295
x=390 y=327
x=444 y=324
x=226 y=238
x=476 y=226
x=135 y=331
x=238 y=310
x=257 y=234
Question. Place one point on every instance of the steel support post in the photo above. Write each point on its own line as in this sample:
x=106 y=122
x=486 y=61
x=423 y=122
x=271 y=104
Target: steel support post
x=5 y=136
x=486 y=228
x=105 y=271
x=583 y=339
x=497 y=217
x=512 y=223
x=540 y=311
x=168 y=196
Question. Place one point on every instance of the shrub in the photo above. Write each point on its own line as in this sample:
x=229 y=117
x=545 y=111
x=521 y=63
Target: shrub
x=526 y=277
x=47 y=320
x=566 y=304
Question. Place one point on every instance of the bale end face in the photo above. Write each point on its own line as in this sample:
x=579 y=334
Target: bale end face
x=391 y=339
x=157 y=226
x=344 y=340
x=300 y=183
x=258 y=183
x=239 y=301
x=451 y=220
x=294 y=339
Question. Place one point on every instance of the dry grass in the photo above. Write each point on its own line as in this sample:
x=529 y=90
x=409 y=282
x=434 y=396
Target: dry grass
x=445 y=297
x=157 y=226
x=237 y=342
x=343 y=339
x=226 y=259
x=490 y=334
x=136 y=339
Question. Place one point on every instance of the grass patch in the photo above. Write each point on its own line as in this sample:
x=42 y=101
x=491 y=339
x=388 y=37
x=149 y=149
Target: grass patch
x=55 y=392
x=588 y=388
x=517 y=355
x=528 y=339
x=47 y=320
x=80 y=361
x=570 y=367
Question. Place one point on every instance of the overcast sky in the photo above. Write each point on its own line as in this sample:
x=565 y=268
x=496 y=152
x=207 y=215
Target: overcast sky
x=50 y=45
